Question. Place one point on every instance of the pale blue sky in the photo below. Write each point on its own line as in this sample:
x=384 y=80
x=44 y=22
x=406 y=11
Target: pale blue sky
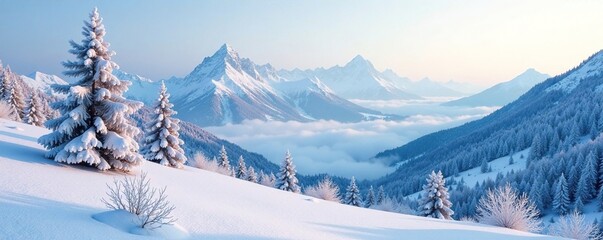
x=474 y=41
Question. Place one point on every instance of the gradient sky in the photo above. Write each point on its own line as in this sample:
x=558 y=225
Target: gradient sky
x=471 y=41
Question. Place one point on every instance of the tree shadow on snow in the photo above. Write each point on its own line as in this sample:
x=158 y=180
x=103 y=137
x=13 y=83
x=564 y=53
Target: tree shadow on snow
x=378 y=233
x=24 y=153
x=14 y=135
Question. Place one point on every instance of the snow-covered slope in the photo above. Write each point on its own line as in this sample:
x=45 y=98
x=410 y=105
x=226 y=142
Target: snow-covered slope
x=42 y=81
x=503 y=93
x=358 y=79
x=591 y=67
x=41 y=199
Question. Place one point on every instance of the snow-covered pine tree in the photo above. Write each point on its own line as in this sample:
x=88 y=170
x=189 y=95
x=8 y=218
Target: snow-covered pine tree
x=162 y=140
x=34 y=112
x=15 y=101
x=251 y=175
x=561 y=200
x=370 y=198
x=380 y=195
x=241 y=172
x=352 y=194
x=95 y=126
x=223 y=161
x=484 y=167
x=286 y=179
x=435 y=201
x=6 y=83
x=578 y=205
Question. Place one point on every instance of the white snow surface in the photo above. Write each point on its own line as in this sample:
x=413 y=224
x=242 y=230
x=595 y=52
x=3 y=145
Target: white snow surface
x=41 y=199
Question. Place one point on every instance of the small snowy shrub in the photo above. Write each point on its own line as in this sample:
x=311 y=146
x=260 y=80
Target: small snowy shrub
x=574 y=226
x=502 y=207
x=202 y=162
x=326 y=190
x=135 y=195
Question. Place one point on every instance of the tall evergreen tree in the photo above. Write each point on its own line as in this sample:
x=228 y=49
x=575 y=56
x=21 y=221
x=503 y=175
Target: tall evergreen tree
x=435 y=202
x=561 y=200
x=370 y=198
x=34 y=112
x=579 y=205
x=286 y=179
x=223 y=161
x=484 y=167
x=251 y=175
x=380 y=195
x=95 y=126
x=352 y=194
x=15 y=101
x=241 y=172
x=162 y=141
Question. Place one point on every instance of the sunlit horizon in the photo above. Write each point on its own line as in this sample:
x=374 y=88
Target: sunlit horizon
x=466 y=41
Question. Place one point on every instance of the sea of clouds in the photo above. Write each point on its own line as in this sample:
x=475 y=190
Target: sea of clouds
x=345 y=149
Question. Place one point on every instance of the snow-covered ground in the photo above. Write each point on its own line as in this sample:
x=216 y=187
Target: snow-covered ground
x=41 y=199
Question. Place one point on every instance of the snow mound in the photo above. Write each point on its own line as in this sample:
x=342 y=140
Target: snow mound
x=129 y=223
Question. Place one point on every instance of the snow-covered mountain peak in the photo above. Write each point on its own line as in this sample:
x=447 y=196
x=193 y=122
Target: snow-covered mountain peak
x=217 y=65
x=42 y=81
x=528 y=78
x=311 y=84
x=591 y=67
x=359 y=62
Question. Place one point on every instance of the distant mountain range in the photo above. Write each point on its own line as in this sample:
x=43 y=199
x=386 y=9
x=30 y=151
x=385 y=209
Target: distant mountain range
x=502 y=93
x=226 y=88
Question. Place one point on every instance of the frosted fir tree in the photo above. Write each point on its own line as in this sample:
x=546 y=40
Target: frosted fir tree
x=15 y=101
x=435 y=201
x=5 y=83
x=352 y=194
x=95 y=126
x=380 y=195
x=484 y=167
x=162 y=140
x=34 y=111
x=370 y=198
x=561 y=200
x=251 y=175
x=223 y=161
x=241 y=172
x=578 y=205
x=286 y=179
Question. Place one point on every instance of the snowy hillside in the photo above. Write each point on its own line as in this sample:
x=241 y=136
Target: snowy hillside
x=41 y=199
x=503 y=93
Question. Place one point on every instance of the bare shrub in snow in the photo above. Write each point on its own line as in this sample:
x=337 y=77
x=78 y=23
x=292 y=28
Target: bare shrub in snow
x=326 y=190
x=504 y=208
x=6 y=111
x=202 y=162
x=135 y=195
x=574 y=226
